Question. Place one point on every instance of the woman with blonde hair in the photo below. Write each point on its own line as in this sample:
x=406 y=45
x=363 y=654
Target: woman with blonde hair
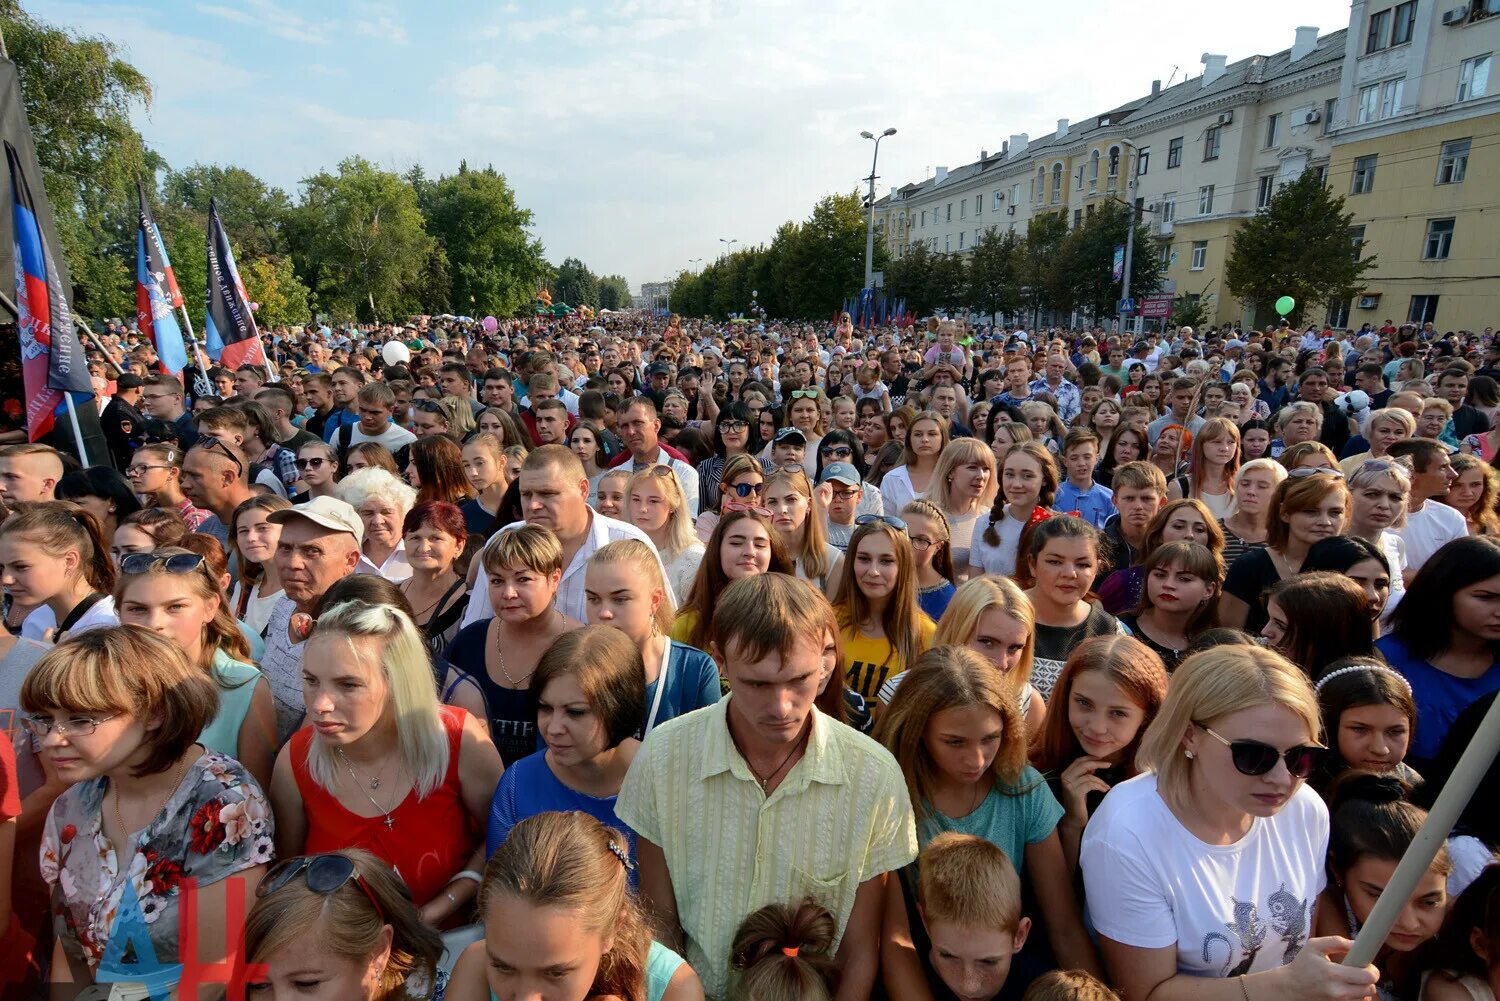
x=740 y=484
x=155 y=474
x=789 y=497
x=1309 y=455
x=963 y=487
x=1202 y=873
x=804 y=411
x=928 y=529
x=657 y=506
x=624 y=588
x=174 y=593
x=926 y=438
x=382 y=501
x=1244 y=527
x=1382 y=429
x=559 y=917
x=348 y=916
x=884 y=631
x=381 y=765
x=117 y=713
x=1212 y=463
x=954 y=729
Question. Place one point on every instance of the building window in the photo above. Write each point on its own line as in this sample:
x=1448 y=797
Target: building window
x=1364 y=175
x=998 y=200
x=1142 y=161
x=1369 y=104
x=1174 y=153
x=1273 y=130
x=1094 y=171
x=960 y=239
x=1169 y=207
x=1041 y=185
x=1329 y=107
x=1205 y=199
x=1474 y=77
x=1322 y=171
x=963 y=209
x=947 y=244
x=1453 y=161
x=1357 y=241
x=1338 y=314
x=1077 y=218
x=1423 y=309
x=979 y=205
x=1088 y=211
x=1390 y=97
x=924 y=219
x=1212 y=143
x=949 y=216
x=1200 y=255
x=1264 y=190
x=1015 y=193
x=1166 y=255
x=1114 y=162
x=1439 y=240
x=1403 y=22
x=1378 y=35
x=1056 y=183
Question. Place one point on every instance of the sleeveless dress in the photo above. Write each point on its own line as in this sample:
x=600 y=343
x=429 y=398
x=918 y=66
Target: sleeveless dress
x=661 y=964
x=428 y=839
x=236 y=681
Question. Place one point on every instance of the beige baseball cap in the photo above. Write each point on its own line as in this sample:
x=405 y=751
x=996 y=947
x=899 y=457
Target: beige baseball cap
x=329 y=512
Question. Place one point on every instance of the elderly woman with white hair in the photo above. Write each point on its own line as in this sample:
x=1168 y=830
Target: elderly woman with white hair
x=382 y=501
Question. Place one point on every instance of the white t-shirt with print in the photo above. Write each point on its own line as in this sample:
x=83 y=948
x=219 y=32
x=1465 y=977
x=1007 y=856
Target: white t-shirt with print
x=1228 y=909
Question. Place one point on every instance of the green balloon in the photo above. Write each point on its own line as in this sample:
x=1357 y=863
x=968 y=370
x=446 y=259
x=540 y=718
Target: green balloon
x=1285 y=305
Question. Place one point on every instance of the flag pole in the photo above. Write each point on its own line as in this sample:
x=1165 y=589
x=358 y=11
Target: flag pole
x=98 y=344
x=1457 y=792
x=204 y=387
x=83 y=455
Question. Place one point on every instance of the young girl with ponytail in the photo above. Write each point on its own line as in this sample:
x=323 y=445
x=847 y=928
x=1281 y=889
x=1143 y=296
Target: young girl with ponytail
x=55 y=565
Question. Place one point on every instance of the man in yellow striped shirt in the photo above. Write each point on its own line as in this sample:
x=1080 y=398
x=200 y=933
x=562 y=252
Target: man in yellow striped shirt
x=761 y=798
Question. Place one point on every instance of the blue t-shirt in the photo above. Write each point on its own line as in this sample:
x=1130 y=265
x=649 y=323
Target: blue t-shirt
x=1011 y=819
x=528 y=788
x=1094 y=505
x=1439 y=696
x=934 y=602
x=692 y=683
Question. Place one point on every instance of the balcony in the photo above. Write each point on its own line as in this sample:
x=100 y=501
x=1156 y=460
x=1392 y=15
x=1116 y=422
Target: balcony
x=1161 y=227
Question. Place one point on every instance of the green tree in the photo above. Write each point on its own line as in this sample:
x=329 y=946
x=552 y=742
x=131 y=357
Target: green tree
x=495 y=265
x=994 y=279
x=1039 y=260
x=280 y=296
x=359 y=241
x=1298 y=246
x=1085 y=267
x=910 y=276
x=614 y=292
x=254 y=213
x=1192 y=310
x=950 y=281
x=79 y=96
x=575 y=284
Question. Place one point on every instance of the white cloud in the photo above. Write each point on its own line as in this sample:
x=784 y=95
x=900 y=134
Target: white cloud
x=273 y=18
x=380 y=20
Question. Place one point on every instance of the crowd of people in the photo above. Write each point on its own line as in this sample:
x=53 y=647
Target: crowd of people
x=660 y=659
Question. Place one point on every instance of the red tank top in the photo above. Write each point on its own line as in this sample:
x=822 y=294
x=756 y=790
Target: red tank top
x=429 y=839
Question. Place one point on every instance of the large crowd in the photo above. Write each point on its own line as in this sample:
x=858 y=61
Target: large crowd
x=640 y=658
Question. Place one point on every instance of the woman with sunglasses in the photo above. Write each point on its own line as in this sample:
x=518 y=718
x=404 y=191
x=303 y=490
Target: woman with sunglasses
x=655 y=503
x=1311 y=504
x=1202 y=873
x=253 y=538
x=117 y=713
x=170 y=592
x=741 y=486
x=804 y=411
x=381 y=765
x=561 y=924
x=155 y=474
x=341 y=926
x=318 y=469
x=789 y=498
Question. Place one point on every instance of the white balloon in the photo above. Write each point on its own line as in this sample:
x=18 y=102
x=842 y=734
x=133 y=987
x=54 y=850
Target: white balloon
x=395 y=353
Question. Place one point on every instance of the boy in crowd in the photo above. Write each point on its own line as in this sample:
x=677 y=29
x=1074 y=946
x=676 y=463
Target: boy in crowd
x=1093 y=502
x=1140 y=490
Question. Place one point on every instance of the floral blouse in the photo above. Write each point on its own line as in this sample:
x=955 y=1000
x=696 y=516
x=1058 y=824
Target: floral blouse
x=216 y=824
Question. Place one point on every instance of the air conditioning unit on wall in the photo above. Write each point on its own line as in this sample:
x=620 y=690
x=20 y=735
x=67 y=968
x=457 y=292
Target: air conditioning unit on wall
x=1226 y=118
x=1455 y=16
x=1312 y=116
x=1369 y=301
x=1010 y=210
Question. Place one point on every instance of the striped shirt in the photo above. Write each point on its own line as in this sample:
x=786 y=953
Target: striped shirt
x=841 y=816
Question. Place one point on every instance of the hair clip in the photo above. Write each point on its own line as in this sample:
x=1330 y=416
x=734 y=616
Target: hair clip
x=790 y=950
x=620 y=854
x=1352 y=668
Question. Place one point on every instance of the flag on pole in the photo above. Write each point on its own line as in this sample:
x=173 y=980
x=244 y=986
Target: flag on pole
x=153 y=304
x=52 y=359
x=157 y=251
x=229 y=328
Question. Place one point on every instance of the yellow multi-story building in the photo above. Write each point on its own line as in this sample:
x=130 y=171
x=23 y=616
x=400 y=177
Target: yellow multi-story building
x=1416 y=158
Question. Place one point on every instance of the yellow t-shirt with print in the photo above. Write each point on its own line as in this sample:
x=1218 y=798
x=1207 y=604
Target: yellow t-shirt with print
x=870 y=660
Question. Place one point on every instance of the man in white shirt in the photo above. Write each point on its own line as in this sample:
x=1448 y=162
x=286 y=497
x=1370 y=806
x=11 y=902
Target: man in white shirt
x=1430 y=524
x=640 y=430
x=375 y=403
x=555 y=495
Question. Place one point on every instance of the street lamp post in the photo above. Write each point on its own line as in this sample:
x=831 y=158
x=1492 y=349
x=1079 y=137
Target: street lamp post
x=728 y=245
x=870 y=229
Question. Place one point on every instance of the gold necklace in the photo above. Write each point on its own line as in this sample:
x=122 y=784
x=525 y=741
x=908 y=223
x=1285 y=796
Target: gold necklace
x=500 y=656
x=177 y=781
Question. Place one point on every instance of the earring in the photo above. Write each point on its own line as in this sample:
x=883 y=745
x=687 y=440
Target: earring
x=1188 y=755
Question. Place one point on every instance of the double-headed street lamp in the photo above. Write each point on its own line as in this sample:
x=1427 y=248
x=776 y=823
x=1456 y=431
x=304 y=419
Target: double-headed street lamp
x=870 y=230
x=728 y=245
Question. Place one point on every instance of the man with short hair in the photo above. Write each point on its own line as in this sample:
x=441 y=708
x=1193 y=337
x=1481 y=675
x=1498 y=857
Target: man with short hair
x=640 y=430
x=29 y=472
x=318 y=389
x=1369 y=378
x=1140 y=490
x=346 y=384
x=944 y=401
x=1453 y=385
x=161 y=398
x=799 y=804
x=319 y=546
x=1182 y=394
x=280 y=404
x=1272 y=389
x=248 y=379
x=1312 y=388
x=454 y=380
x=1430 y=524
x=215 y=477
x=555 y=495
x=375 y=403
x=123 y=424
x=1017 y=383
x=550 y=419
x=498 y=392
x=839 y=491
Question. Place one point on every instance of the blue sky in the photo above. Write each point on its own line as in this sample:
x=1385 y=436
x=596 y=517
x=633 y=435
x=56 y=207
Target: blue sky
x=641 y=132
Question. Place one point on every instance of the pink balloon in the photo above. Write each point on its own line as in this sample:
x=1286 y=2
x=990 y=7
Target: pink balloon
x=490 y=324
